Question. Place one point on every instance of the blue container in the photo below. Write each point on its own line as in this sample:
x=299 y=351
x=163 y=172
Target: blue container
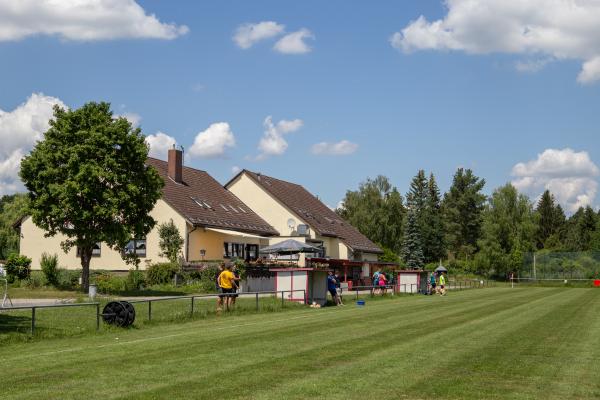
x=360 y=303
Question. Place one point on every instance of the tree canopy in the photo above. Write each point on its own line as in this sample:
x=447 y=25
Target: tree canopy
x=376 y=209
x=462 y=207
x=88 y=180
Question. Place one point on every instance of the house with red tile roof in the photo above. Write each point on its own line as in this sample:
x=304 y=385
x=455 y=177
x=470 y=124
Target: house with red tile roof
x=296 y=213
x=213 y=221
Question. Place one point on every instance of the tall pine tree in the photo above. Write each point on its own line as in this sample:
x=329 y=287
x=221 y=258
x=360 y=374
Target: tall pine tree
x=550 y=220
x=462 y=208
x=434 y=248
x=412 y=246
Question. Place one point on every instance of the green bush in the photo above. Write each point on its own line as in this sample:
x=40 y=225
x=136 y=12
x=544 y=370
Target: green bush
x=35 y=280
x=110 y=284
x=68 y=278
x=135 y=280
x=161 y=273
x=18 y=267
x=49 y=265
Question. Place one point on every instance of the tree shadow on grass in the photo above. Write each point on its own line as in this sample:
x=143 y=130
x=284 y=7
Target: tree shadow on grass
x=14 y=323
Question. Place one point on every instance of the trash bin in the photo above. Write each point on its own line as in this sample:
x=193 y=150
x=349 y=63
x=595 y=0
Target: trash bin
x=93 y=290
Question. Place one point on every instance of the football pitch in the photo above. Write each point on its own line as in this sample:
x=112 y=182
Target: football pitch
x=497 y=343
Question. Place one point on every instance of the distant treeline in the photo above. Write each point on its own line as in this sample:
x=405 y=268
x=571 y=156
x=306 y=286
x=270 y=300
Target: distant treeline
x=465 y=228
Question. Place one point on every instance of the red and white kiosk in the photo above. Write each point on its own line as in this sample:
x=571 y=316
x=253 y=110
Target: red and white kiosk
x=411 y=281
x=312 y=280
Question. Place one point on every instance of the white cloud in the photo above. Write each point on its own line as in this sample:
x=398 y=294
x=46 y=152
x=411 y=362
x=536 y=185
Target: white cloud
x=213 y=142
x=235 y=170
x=555 y=29
x=569 y=175
x=249 y=34
x=132 y=117
x=272 y=143
x=20 y=129
x=82 y=20
x=160 y=143
x=342 y=148
x=294 y=43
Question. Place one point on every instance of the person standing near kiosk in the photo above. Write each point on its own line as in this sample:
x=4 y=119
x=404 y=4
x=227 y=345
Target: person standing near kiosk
x=442 y=284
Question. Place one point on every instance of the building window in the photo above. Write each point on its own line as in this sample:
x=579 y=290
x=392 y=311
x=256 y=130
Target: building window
x=137 y=247
x=251 y=252
x=95 y=250
x=243 y=251
x=233 y=250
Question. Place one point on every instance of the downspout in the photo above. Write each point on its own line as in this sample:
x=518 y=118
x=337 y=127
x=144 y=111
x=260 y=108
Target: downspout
x=187 y=244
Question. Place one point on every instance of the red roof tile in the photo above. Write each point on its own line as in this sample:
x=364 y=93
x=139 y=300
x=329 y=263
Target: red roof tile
x=320 y=217
x=204 y=202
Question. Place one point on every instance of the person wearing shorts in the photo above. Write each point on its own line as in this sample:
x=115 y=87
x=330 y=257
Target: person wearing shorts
x=442 y=284
x=226 y=281
x=331 y=287
x=432 y=283
x=382 y=283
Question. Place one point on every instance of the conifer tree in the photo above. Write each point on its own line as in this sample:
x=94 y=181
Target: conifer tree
x=462 y=208
x=550 y=218
x=433 y=226
x=412 y=246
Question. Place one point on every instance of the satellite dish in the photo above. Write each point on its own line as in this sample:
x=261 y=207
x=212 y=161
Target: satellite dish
x=291 y=223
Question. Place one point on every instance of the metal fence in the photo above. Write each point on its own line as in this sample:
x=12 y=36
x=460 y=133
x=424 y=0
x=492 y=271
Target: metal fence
x=560 y=265
x=192 y=299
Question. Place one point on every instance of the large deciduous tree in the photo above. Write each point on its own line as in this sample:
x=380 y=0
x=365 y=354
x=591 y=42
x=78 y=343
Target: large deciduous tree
x=507 y=232
x=12 y=207
x=376 y=209
x=462 y=207
x=88 y=180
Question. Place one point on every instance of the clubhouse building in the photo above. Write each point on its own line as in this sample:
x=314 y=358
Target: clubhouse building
x=225 y=222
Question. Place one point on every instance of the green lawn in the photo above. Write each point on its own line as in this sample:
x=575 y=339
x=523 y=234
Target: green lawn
x=498 y=343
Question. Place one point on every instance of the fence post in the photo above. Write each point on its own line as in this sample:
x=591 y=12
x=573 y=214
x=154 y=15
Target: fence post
x=356 y=294
x=97 y=317
x=304 y=295
x=32 y=320
x=192 y=307
x=282 y=299
x=149 y=310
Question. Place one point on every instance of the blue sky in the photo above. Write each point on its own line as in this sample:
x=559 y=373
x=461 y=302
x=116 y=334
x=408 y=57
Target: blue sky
x=433 y=106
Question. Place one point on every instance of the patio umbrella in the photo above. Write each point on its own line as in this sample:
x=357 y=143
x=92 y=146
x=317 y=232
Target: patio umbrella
x=441 y=269
x=289 y=246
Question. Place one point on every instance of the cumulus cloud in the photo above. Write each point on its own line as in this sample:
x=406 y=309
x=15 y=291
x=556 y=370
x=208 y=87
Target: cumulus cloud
x=571 y=176
x=159 y=144
x=294 y=43
x=543 y=29
x=20 y=129
x=213 y=142
x=132 y=117
x=342 y=148
x=82 y=20
x=247 y=35
x=273 y=143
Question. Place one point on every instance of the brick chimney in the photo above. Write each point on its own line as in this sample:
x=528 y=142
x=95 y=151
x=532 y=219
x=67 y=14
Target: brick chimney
x=175 y=165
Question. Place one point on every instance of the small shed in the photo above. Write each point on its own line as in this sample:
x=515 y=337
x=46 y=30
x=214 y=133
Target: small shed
x=313 y=281
x=411 y=281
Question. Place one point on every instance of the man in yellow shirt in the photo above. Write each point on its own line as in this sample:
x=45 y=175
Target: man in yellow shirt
x=226 y=281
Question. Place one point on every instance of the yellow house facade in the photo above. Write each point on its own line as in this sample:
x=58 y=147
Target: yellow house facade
x=214 y=223
x=296 y=213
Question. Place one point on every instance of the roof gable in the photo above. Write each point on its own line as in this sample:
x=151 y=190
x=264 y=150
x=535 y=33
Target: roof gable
x=202 y=201
x=309 y=208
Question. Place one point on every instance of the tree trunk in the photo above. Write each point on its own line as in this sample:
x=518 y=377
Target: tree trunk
x=86 y=256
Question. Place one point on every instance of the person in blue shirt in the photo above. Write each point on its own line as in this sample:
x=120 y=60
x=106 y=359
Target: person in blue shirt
x=331 y=287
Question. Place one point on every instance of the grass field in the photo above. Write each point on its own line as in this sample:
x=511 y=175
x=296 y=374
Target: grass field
x=498 y=343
